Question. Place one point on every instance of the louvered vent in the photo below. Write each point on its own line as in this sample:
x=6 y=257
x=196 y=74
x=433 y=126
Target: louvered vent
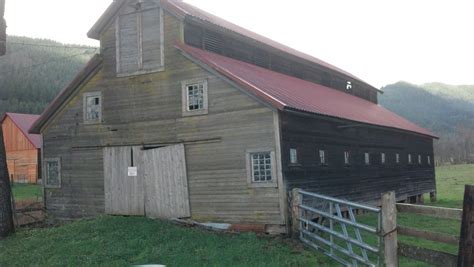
x=213 y=41
x=261 y=58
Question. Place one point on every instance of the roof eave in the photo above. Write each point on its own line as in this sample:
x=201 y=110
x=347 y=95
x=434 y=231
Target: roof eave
x=90 y=69
x=96 y=30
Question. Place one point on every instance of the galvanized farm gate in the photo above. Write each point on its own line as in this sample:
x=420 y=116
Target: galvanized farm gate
x=331 y=225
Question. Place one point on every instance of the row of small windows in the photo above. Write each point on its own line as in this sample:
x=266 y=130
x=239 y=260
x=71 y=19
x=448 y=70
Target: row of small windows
x=368 y=158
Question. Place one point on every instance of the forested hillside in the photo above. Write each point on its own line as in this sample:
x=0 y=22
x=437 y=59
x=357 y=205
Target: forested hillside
x=447 y=110
x=34 y=70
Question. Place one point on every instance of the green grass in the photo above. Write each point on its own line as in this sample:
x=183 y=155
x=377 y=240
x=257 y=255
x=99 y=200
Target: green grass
x=450 y=181
x=125 y=241
x=27 y=192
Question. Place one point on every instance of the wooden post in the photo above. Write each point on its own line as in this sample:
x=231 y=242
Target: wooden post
x=389 y=229
x=295 y=212
x=466 y=244
x=433 y=196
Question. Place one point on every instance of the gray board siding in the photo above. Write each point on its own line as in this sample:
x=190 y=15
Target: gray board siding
x=146 y=109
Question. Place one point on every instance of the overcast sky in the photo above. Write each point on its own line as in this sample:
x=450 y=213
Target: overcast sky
x=379 y=41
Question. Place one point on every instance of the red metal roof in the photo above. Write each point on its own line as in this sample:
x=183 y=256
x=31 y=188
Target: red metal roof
x=24 y=122
x=286 y=92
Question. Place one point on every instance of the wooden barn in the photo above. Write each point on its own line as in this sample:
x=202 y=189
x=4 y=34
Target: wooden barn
x=185 y=115
x=23 y=149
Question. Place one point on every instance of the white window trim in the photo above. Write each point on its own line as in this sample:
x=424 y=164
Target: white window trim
x=250 y=182
x=347 y=158
x=185 y=99
x=45 y=172
x=322 y=157
x=84 y=113
x=295 y=161
x=140 y=47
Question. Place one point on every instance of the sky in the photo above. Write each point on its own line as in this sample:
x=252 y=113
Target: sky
x=380 y=41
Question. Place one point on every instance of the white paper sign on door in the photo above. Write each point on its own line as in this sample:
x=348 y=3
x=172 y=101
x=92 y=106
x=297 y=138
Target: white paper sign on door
x=132 y=171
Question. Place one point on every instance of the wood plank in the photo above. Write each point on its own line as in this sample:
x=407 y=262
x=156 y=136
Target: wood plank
x=166 y=182
x=432 y=236
x=433 y=257
x=389 y=228
x=437 y=212
x=466 y=245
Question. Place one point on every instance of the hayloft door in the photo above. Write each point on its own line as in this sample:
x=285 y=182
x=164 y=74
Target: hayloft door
x=124 y=181
x=166 y=190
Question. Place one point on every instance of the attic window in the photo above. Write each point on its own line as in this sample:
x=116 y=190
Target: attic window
x=195 y=100
x=139 y=37
x=92 y=107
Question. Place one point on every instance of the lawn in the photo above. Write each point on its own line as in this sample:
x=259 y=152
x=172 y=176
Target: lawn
x=27 y=192
x=125 y=241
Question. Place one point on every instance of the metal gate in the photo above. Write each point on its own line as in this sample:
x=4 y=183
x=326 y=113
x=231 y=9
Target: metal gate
x=331 y=225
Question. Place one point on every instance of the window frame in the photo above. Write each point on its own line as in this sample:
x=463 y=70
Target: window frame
x=420 y=161
x=367 y=158
x=84 y=99
x=250 y=178
x=45 y=175
x=397 y=158
x=347 y=158
x=383 y=158
x=410 y=159
x=322 y=157
x=295 y=150
x=139 y=29
x=185 y=97
x=428 y=160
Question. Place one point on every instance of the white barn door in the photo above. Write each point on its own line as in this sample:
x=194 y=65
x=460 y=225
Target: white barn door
x=158 y=189
x=166 y=190
x=123 y=192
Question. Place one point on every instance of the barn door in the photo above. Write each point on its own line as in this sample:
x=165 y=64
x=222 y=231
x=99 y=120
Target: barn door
x=123 y=187
x=166 y=190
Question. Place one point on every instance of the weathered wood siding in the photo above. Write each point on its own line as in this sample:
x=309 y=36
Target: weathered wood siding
x=22 y=156
x=147 y=109
x=355 y=181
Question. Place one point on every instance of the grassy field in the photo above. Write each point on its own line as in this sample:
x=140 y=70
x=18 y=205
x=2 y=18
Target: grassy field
x=125 y=241
x=27 y=192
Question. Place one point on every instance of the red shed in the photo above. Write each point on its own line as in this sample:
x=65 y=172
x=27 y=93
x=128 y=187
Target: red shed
x=23 y=149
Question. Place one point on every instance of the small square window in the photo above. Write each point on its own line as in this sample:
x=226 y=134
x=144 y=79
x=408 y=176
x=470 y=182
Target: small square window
x=382 y=158
x=293 y=156
x=428 y=158
x=397 y=158
x=52 y=172
x=347 y=158
x=261 y=167
x=322 y=157
x=419 y=159
x=195 y=97
x=92 y=107
x=367 y=158
x=409 y=159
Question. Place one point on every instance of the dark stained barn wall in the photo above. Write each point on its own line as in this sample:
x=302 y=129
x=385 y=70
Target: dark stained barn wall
x=355 y=181
x=147 y=109
x=233 y=46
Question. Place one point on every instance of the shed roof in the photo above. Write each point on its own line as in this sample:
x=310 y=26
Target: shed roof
x=24 y=122
x=185 y=10
x=289 y=93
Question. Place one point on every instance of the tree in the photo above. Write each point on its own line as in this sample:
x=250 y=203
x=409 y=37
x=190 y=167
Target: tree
x=3 y=29
x=6 y=214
